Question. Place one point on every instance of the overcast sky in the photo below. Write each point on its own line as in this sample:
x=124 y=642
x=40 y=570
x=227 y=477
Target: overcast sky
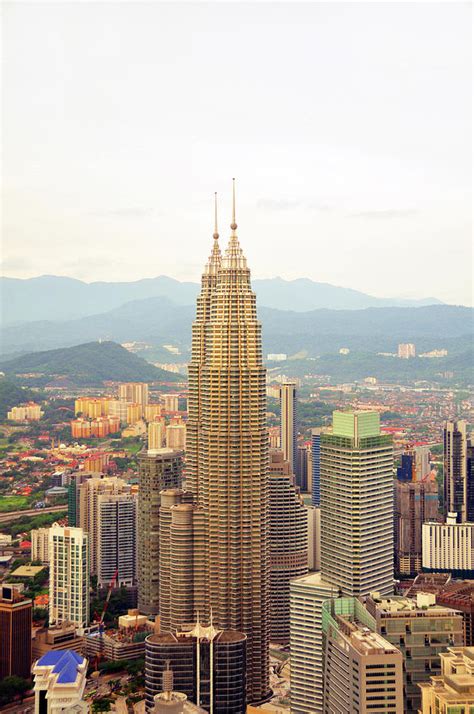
x=348 y=127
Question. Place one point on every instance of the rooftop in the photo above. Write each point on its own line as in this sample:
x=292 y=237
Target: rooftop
x=63 y=663
x=27 y=571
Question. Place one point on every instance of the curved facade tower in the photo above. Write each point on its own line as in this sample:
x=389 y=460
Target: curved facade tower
x=227 y=455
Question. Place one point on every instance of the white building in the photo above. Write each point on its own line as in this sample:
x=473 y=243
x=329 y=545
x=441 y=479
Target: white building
x=406 y=350
x=176 y=436
x=68 y=575
x=307 y=595
x=448 y=547
x=60 y=681
x=40 y=545
x=156 y=434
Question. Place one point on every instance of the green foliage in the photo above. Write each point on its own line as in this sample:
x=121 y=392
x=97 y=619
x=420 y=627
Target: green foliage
x=40 y=614
x=11 y=687
x=90 y=363
x=28 y=523
x=112 y=666
x=101 y=705
x=11 y=395
x=118 y=605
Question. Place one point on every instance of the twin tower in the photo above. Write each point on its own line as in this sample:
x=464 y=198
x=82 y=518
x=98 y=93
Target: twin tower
x=214 y=535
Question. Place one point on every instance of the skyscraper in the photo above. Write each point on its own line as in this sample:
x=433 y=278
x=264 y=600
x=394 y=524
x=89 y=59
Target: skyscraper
x=117 y=539
x=158 y=469
x=316 y=467
x=288 y=423
x=15 y=633
x=415 y=503
x=227 y=457
x=357 y=498
x=68 y=575
x=455 y=469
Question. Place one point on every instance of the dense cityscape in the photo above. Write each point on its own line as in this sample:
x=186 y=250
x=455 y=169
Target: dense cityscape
x=240 y=540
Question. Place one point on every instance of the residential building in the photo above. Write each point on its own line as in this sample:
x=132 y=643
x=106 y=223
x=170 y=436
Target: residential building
x=314 y=537
x=97 y=463
x=25 y=412
x=88 y=520
x=119 y=409
x=415 y=503
x=171 y=402
x=136 y=392
x=40 y=545
x=415 y=464
x=451 y=692
x=15 y=633
x=80 y=428
x=156 y=434
x=60 y=681
x=152 y=412
x=208 y=665
x=459 y=595
x=117 y=539
x=449 y=547
x=421 y=630
x=357 y=498
x=288 y=423
x=455 y=469
x=134 y=412
x=176 y=436
x=68 y=575
x=75 y=480
x=159 y=469
x=406 y=350
x=92 y=407
x=316 y=467
x=363 y=672
x=288 y=537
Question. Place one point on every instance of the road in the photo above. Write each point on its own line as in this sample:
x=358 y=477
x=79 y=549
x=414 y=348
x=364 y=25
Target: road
x=13 y=515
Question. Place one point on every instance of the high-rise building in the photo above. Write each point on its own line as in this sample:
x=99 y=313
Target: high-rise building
x=357 y=498
x=171 y=402
x=176 y=436
x=40 y=545
x=415 y=503
x=152 y=412
x=89 y=492
x=455 y=469
x=288 y=537
x=75 y=480
x=452 y=691
x=136 y=392
x=227 y=458
x=415 y=464
x=307 y=595
x=316 y=467
x=158 y=469
x=363 y=672
x=68 y=575
x=208 y=666
x=288 y=423
x=15 y=633
x=406 y=350
x=421 y=630
x=449 y=547
x=314 y=537
x=25 y=412
x=303 y=467
x=117 y=539
x=156 y=434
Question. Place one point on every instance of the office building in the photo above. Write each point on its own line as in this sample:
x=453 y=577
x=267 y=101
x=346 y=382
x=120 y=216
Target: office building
x=176 y=436
x=158 y=469
x=227 y=457
x=60 y=681
x=313 y=514
x=307 y=595
x=459 y=595
x=68 y=575
x=15 y=633
x=288 y=423
x=406 y=350
x=135 y=392
x=303 y=468
x=421 y=630
x=316 y=467
x=452 y=691
x=363 y=672
x=25 y=412
x=415 y=503
x=456 y=494
x=156 y=434
x=208 y=666
x=40 y=545
x=449 y=547
x=288 y=538
x=88 y=520
x=357 y=498
x=57 y=637
x=117 y=539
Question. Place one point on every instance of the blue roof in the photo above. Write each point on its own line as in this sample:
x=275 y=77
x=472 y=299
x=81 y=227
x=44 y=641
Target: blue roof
x=64 y=663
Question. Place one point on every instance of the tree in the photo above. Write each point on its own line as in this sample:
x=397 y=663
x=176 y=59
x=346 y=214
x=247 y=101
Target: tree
x=11 y=687
x=101 y=705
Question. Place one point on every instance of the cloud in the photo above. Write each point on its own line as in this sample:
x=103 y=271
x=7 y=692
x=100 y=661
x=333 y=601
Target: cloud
x=16 y=263
x=129 y=212
x=384 y=213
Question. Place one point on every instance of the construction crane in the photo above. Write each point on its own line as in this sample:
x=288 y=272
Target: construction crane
x=100 y=654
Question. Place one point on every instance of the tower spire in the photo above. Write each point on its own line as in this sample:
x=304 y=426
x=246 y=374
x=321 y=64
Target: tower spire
x=216 y=232
x=233 y=225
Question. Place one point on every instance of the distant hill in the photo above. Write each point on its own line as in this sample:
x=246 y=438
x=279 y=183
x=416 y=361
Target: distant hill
x=158 y=321
x=11 y=395
x=90 y=363
x=51 y=297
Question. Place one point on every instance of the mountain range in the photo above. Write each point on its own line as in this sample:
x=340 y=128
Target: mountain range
x=51 y=297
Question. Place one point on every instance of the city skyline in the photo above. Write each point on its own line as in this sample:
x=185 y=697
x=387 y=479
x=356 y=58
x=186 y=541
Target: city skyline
x=91 y=169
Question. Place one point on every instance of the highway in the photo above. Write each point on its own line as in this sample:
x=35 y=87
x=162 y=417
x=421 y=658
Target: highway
x=13 y=515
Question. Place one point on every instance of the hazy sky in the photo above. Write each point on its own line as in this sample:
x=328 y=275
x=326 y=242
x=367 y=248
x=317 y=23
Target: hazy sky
x=347 y=125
